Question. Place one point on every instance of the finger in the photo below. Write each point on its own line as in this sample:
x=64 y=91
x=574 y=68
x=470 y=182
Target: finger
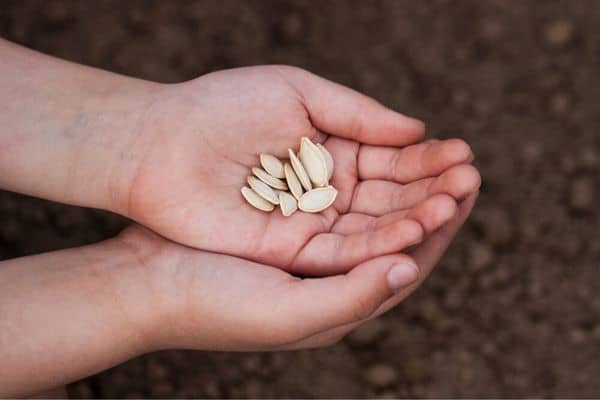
x=341 y=111
x=428 y=254
x=318 y=305
x=432 y=213
x=412 y=162
x=333 y=253
x=377 y=197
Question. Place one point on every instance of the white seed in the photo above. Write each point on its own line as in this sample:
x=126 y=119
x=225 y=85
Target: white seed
x=272 y=165
x=287 y=203
x=268 y=179
x=328 y=160
x=263 y=190
x=293 y=183
x=255 y=200
x=299 y=170
x=317 y=200
x=314 y=162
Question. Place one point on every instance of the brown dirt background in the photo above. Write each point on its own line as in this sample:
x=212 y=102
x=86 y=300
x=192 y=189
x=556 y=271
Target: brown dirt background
x=512 y=310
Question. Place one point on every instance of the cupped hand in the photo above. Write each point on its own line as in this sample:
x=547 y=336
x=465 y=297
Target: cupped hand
x=198 y=140
x=208 y=301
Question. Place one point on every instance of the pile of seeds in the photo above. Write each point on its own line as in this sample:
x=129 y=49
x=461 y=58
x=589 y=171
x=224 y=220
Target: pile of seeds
x=302 y=183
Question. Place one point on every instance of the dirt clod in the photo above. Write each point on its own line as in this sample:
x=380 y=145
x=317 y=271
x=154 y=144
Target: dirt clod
x=381 y=375
x=581 y=197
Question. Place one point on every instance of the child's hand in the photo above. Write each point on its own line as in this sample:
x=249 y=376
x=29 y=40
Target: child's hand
x=211 y=301
x=198 y=140
x=174 y=158
x=139 y=293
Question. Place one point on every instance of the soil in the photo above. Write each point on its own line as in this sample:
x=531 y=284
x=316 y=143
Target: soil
x=512 y=310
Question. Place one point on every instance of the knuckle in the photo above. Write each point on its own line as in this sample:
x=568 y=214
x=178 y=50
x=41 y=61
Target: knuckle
x=397 y=165
x=362 y=309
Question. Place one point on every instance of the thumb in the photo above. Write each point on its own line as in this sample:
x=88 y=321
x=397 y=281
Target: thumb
x=321 y=304
x=341 y=111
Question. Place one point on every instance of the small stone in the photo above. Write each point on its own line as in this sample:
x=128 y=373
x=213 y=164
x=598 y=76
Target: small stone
x=560 y=103
x=596 y=331
x=454 y=299
x=381 y=375
x=568 y=164
x=577 y=336
x=491 y=29
x=416 y=369
x=589 y=158
x=529 y=231
x=497 y=226
x=293 y=27
x=157 y=371
x=489 y=349
x=531 y=151
x=581 y=196
x=480 y=255
x=367 y=334
x=569 y=246
x=251 y=363
x=430 y=309
x=461 y=98
x=558 y=33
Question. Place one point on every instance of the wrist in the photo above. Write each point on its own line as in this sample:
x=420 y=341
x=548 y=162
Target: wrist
x=70 y=133
x=117 y=116
x=148 y=293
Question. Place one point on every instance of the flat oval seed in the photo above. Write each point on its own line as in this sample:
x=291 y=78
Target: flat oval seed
x=299 y=170
x=268 y=179
x=292 y=181
x=287 y=203
x=255 y=200
x=314 y=162
x=272 y=165
x=317 y=200
x=263 y=190
x=328 y=160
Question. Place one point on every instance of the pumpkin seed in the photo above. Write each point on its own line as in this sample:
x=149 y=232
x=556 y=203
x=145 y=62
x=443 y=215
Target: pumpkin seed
x=269 y=179
x=314 y=162
x=255 y=200
x=292 y=181
x=328 y=160
x=272 y=165
x=287 y=203
x=299 y=170
x=318 y=199
x=263 y=190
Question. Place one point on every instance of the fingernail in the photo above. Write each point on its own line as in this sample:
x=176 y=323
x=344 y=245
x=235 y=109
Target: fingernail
x=471 y=157
x=402 y=275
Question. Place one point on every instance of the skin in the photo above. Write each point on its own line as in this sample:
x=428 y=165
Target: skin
x=139 y=293
x=174 y=157
x=216 y=274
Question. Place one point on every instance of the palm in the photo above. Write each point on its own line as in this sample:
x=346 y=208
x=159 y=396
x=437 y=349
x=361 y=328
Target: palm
x=207 y=137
